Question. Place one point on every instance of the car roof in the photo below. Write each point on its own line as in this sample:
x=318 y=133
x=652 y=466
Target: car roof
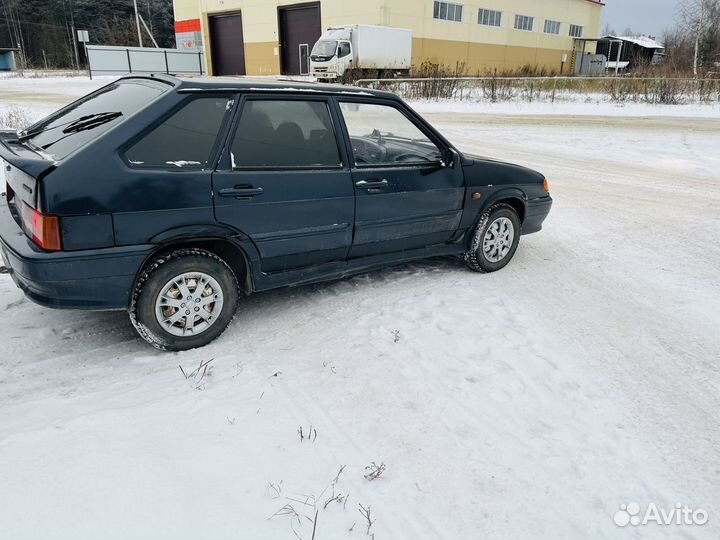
x=260 y=84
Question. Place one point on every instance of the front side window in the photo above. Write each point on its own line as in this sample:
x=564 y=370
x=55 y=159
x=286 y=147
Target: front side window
x=88 y=118
x=284 y=134
x=448 y=11
x=523 y=22
x=184 y=140
x=382 y=135
x=489 y=17
x=343 y=49
x=552 y=27
x=576 y=31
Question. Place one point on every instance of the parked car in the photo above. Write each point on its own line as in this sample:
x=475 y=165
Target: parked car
x=172 y=198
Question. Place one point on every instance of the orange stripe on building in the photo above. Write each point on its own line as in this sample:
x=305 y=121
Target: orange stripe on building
x=191 y=25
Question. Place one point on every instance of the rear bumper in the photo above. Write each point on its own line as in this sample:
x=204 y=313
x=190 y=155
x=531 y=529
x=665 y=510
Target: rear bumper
x=535 y=213
x=89 y=279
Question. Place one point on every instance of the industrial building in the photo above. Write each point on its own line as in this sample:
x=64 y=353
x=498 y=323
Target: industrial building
x=272 y=37
x=625 y=53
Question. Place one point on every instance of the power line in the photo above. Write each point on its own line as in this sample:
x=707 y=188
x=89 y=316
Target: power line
x=22 y=23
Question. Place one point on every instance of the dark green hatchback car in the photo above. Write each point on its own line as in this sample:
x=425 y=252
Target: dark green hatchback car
x=171 y=198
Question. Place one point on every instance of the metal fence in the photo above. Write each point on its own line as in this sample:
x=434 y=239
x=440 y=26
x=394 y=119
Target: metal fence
x=105 y=60
x=550 y=89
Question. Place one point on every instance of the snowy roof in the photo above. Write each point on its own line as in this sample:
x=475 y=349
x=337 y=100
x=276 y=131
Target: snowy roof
x=642 y=41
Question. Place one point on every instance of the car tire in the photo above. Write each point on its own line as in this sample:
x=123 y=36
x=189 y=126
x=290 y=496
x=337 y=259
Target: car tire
x=169 y=287
x=495 y=239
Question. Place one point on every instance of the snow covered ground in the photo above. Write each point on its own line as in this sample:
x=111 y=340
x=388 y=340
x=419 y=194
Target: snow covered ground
x=529 y=403
x=580 y=107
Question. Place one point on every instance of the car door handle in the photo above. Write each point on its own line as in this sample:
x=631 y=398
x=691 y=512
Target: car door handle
x=241 y=192
x=372 y=183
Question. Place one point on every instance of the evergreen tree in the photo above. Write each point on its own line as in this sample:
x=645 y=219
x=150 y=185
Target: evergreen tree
x=43 y=28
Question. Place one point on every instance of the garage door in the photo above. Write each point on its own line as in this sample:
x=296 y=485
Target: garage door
x=300 y=29
x=227 y=46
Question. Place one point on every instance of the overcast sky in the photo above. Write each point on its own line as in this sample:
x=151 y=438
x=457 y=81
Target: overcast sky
x=643 y=16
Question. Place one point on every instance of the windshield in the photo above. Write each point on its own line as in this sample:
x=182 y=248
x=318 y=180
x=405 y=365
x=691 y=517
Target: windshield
x=325 y=48
x=62 y=133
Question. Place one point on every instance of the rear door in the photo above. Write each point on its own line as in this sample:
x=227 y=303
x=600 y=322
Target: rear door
x=406 y=198
x=283 y=182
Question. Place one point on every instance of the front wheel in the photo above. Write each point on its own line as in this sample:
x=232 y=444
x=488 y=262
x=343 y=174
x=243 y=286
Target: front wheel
x=184 y=299
x=495 y=239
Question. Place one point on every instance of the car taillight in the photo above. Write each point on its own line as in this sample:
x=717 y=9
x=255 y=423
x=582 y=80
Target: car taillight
x=546 y=186
x=43 y=230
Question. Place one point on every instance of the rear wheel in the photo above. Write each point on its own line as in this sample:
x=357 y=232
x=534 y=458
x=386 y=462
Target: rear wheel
x=184 y=299
x=495 y=239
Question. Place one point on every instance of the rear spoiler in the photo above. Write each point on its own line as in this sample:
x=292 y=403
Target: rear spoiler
x=22 y=157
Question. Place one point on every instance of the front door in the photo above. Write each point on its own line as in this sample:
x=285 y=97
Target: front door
x=284 y=185
x=406 y=198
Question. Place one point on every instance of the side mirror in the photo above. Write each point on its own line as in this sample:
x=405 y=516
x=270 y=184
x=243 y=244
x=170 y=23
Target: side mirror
x=448 y=158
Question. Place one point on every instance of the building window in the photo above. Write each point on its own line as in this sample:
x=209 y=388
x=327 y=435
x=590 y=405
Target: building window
x=576 y=31
x=552 y=27
x=448 y=12
x=489 y=17
x=523 y=22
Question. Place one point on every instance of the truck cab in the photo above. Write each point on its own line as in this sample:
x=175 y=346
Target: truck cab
x=331 y=58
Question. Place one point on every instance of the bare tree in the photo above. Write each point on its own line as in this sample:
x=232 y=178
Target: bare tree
x=696 y=16
x=608 y=30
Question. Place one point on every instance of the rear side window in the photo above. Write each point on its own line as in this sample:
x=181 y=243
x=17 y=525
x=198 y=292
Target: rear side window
x=85 y=120
x=185 y=139
x=282 y=134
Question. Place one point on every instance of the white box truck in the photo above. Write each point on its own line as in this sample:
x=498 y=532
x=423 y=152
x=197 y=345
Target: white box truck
x=361 y=51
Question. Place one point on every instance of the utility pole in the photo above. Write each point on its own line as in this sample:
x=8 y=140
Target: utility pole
x=137 y=22
x=149 y=32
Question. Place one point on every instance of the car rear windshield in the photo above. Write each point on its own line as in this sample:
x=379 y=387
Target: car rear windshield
x=85 y=120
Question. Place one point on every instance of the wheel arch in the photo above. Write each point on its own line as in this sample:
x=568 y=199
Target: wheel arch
x=513 y=197
x=229 y=250
x=519 y=205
